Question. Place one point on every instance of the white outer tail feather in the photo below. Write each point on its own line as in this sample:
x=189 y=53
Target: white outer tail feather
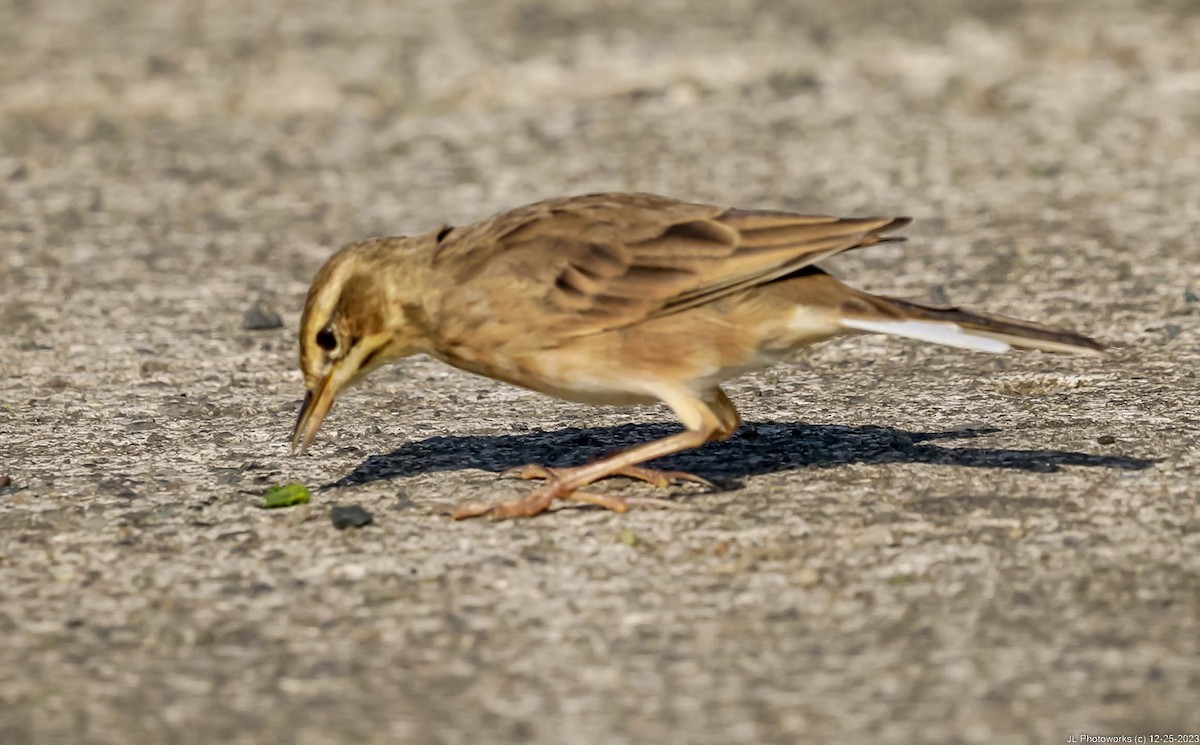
x=950 y=334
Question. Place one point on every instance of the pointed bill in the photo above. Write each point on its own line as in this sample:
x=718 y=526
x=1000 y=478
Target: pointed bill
x=317 y=404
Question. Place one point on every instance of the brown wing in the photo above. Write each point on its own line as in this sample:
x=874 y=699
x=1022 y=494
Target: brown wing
x=587 y=264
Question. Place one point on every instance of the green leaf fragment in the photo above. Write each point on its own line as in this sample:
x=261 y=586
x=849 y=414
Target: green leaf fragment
x=285 y=495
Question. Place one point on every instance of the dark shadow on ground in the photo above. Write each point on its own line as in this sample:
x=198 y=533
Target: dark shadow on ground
x=758 y=447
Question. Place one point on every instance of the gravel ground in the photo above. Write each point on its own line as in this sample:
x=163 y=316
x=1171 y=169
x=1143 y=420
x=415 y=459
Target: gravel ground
x=911 y=545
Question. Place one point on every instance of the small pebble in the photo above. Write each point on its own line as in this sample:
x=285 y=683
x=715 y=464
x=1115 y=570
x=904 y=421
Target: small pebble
x=1106 y=439
x=5 y=481
x=350 y=516
x=259 y=318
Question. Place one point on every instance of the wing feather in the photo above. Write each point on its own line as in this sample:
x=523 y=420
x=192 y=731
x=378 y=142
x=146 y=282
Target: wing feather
x=583 y=265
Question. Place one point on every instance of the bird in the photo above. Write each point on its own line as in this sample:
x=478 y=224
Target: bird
x=615 y=299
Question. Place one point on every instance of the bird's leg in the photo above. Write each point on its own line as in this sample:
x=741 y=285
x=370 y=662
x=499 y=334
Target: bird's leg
x=714 y=418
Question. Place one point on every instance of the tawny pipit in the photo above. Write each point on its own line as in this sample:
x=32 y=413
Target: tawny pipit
x=614 y=299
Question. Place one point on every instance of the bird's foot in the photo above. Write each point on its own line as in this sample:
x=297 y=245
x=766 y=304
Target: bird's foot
x=536 y=503
x=558 y=486
x=653 y=476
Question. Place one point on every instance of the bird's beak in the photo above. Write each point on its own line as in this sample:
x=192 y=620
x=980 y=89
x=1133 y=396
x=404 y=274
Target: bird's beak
x=317 y=403
x=343 y=373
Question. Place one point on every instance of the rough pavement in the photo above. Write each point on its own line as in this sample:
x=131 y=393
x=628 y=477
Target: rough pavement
x=913 y=544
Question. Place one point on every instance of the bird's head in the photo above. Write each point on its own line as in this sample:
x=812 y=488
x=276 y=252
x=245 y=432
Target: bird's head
x=361 y=313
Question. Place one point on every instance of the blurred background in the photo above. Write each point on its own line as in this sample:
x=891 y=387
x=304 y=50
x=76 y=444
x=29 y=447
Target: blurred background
x=251 y=138
x=172 y=174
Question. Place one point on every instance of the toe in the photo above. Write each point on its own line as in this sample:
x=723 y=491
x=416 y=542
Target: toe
x=662 y=479
x=616 y=504
x=529 y=472
x=676 y=476
x=471 y=508
x=529 y=506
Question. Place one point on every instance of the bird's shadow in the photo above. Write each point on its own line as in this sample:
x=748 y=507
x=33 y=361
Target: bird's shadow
x=757 y=448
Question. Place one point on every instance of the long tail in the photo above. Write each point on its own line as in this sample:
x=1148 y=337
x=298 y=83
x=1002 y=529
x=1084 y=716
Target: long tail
x=958 y=327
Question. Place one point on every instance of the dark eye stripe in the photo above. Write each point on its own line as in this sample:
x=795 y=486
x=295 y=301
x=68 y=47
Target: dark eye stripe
x=326 y=339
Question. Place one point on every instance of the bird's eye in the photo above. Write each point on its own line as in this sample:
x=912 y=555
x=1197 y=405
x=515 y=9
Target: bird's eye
x=326 y=339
